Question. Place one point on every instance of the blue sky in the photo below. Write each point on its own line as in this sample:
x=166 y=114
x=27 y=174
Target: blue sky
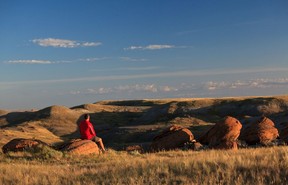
x=75 y=52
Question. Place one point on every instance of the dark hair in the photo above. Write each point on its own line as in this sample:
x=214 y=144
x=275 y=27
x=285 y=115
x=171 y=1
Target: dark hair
x=86 y=116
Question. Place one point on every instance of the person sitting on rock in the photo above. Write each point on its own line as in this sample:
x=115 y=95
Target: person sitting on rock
x=87 y=131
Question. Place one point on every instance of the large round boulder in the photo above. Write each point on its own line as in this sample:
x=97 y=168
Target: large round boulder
x=21 y=144
x=172 y=137
x=223 y=134
x=81 y=147
x=259 y=130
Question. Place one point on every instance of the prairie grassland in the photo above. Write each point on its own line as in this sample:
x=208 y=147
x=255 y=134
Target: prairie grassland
x=245 y=166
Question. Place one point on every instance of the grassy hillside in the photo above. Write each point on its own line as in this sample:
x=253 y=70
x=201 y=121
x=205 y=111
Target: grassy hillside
x=122 y=123
x=128 y=122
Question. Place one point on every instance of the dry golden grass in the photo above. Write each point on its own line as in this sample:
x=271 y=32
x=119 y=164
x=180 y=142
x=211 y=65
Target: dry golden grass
x=246 y=166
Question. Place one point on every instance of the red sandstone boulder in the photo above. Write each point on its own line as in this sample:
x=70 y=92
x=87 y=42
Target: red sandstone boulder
x=171 y=138
x=81 y=147
x=20 y=144
x=223 y=134
x=260 y=130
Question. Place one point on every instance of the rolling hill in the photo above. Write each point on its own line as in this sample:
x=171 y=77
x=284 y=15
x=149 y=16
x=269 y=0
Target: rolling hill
x=122 y=123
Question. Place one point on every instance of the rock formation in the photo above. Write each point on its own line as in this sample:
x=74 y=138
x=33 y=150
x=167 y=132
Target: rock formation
x=259 y=130
x=173 y=137
x=223 y=135
x=20 y=144
x=81 y=147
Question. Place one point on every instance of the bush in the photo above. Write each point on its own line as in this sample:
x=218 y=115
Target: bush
x=40 y=151
x=46 y=152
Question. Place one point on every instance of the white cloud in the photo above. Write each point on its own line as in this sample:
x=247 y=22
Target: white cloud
x=191 y=73
x=215 y=85
x=124 y=58
x=137 y=88
x=95 y=59
x=150 y=47
x=62 y=43
x=75 y=92
x=256 y=83
x=148 y=88
x=29 y=62
x=148 y=68
x=168 y=88
x=134 y=47
x=129 y=59
x=36 y=62
x=139 y=68
x=101 y=90
x=89 y=44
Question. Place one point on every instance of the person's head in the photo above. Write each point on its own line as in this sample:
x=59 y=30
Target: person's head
x=86 y=116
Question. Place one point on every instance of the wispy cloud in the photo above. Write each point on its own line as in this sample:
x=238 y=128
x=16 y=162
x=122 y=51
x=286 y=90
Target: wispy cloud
x=129 y=59
x=261 y=83
x=174 y=90
x=90 y=44
x=29 y=62
x=150 y=47
x=188 y=73
x=36 y=62
x=94 y=59
x=124 y=58
x=143 y=88
x=148 y=68
x=62 y=43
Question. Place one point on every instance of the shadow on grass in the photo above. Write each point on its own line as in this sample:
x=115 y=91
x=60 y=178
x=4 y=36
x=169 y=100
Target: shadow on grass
x=16 y=118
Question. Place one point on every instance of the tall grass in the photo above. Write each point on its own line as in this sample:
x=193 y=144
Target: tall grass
x=245 y=166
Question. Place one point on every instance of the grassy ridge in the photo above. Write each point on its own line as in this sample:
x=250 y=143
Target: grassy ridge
x=130 y=122
x=246 y=166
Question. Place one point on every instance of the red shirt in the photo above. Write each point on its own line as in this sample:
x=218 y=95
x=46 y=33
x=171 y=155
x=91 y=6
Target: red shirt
x=86 y=130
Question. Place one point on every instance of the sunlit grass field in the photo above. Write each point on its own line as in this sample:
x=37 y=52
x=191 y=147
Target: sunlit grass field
x=245 y=166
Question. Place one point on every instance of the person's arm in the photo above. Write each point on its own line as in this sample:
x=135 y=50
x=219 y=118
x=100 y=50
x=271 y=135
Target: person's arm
x=91 y=128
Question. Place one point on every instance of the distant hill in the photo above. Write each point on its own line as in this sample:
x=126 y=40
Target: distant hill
x=120 y=123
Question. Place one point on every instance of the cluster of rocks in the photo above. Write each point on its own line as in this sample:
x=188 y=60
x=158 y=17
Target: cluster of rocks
x=73 y=147
x=226 y=134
